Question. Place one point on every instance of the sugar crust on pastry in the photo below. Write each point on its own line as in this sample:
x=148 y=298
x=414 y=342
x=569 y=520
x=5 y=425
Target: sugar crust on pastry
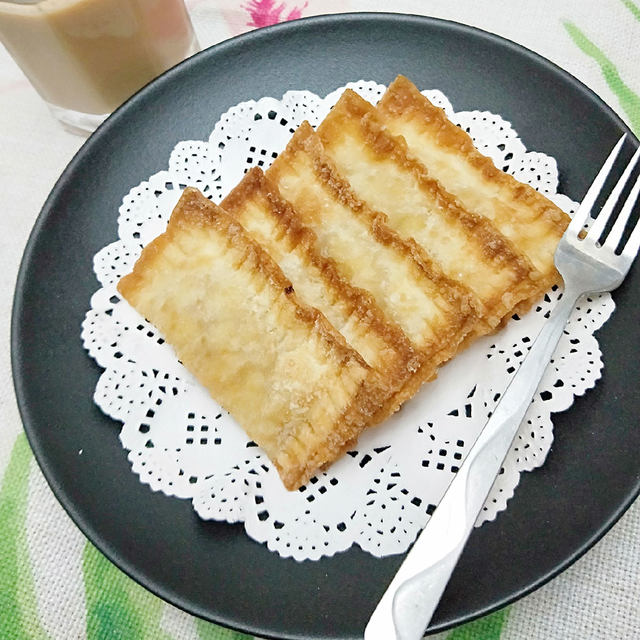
x=465 y=245
x=523 y=215
x=433 y=311
x=321 y=295
x=258 y=206
x=278 y=366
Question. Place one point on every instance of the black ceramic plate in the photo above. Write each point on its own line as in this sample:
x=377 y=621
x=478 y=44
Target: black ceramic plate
x=214 y=570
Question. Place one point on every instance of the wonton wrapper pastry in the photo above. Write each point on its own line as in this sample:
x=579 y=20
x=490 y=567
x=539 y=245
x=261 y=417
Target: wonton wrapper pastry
x=466 y=246
x=529 y=220
x=433 y=311
x=278 y=366
x=257 y=205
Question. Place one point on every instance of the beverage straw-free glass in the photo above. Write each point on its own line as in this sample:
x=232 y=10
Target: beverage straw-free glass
x=86 y=57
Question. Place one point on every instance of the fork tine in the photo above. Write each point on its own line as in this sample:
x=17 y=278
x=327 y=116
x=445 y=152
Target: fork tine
x=589 y=199
x=630 y=250
x=605 y=213
x=613 y=239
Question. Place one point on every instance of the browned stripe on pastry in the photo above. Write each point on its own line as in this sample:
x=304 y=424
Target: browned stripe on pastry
x=466 y=246
x=285 y=374
x=529 y=220
x=432 y=310
x=258 y=206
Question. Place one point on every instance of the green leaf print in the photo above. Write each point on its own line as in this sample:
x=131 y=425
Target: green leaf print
x=487 y=628
x=208 y=631
x=629 y=101
x=19 y=614
x=117 y=607
x=635 y=11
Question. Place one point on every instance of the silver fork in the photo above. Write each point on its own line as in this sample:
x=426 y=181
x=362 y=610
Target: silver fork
x=587 y=265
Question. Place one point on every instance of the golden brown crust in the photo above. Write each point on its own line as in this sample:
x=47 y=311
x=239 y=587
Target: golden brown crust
x=495 y=253
x=335 y=311
x=403 y=104
x=459 y=314
x=359 y=301
x=279 y=229
x=194 y=210
x=463 y=303
x=403 y=97
x=201 y=237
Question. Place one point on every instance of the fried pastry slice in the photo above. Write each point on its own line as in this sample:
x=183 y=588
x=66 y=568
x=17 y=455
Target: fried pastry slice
x=432 y=310
x=284 y=373
x=465 y=245
x=529 y=220
x=257 y=205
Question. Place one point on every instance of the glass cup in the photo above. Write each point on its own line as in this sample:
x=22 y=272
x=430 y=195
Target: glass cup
x=86 y=57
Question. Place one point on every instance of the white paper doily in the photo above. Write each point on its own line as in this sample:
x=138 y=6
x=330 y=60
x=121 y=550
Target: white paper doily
x=182 y=443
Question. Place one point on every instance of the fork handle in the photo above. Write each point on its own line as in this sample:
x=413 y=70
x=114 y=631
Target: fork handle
x=407 y=606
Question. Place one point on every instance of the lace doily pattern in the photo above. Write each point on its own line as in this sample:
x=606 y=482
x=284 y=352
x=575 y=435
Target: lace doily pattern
x=182 y=443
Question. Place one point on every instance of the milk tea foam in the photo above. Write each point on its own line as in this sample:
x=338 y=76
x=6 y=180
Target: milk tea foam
x=91 y=55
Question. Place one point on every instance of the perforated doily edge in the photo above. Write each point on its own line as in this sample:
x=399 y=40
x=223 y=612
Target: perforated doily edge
x=333 y=552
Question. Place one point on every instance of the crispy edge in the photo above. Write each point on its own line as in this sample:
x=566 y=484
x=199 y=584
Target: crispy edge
x=403 y=97
x=466 y=315
x=194 y=210
x=397 y=379
x=497 y=249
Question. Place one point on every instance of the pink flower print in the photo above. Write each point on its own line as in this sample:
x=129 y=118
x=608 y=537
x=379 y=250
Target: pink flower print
x=263 y=13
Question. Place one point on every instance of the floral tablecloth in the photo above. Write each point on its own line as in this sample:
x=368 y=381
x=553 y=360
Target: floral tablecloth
x=53 y=582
